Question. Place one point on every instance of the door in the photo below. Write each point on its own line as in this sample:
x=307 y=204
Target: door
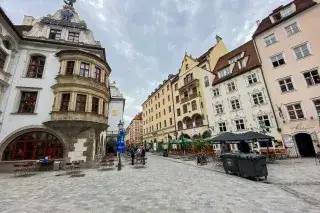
x=305 y=145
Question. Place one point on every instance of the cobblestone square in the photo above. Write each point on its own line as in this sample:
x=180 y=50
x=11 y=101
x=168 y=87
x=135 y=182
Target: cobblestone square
x=163 y=186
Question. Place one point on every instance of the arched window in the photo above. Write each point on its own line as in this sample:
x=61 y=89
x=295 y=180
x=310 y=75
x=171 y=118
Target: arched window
x=189 y=123
x=36 y=66
x=194 y=105
x=33 y=146
x=198 y=121
x=206 y=81
x=3 y=58
x=180 y=125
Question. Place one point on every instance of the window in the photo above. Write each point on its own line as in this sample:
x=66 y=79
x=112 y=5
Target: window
x=162 y=91
x=286 y=84
x=194 y=105
x=168 y=88
x=269 y=40
x=235 y=104
x=169 y=109
x=235 y=59
x=188 y=78
x=163 y=101
x=312 y=77
x=55 y=34
x=302 y=51
x=168 y=97
x=265 y=120
x=257 y=98
x=231 y=87
x=224 y=72
x=159 y=105
x=219 y=109
x=97 y=74
x=177 y=99
x=159 y=114
x=295 y=111
x=3 y=58
x=317 y=105
x=189 y=123
x=222 y=127
x=185 y=108
x=157 y=127
x=170 y=121
x=104 y=108
x=81 y=103
x=277 y=60
x=160 y=125
x=176 y=87
x=187 y=66
x=206 y=81
x=180 y=125
x=65 y=102
x=178 y=112
x=215 y=92
x=158 y=95
x=164 y=111
x=28 y=102
x=252 y=79
x=84 y=69
x=277 y=16
x=36 y=66
x=287 y=11
x=185 y=94
x=73 y=37
x=95 y=105
x=292 y=29
x=239 y=124
x=70 y=67
x=165 y=123
x=194 y=90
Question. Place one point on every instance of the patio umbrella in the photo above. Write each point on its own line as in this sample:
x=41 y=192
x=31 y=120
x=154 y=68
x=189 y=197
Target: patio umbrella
x=227 y=137
x=250 y=136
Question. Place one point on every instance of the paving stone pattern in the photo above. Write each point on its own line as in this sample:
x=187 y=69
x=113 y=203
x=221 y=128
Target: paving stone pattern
x=163 y=186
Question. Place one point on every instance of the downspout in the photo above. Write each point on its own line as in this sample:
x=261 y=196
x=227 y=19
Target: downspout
x=264 y=81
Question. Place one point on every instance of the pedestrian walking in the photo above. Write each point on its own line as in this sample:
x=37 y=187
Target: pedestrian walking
x=143 y=155
x=132 y=151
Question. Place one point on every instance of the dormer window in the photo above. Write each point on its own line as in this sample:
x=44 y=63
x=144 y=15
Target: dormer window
x=224 y=72
x=277 y=16
x=235 y=59
x=55 y=34
x=287 y=11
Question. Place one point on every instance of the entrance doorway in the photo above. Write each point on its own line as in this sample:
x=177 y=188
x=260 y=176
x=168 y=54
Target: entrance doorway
x=305 y=145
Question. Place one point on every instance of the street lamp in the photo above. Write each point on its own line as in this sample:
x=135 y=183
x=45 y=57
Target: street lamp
x=120 y=126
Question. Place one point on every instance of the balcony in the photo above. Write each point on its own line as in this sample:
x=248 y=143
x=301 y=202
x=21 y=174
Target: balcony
x=192 y=96
x=194 y=82
x=77 y=119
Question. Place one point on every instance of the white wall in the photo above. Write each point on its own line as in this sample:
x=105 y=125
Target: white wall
x=248 y=112
x=45 y=97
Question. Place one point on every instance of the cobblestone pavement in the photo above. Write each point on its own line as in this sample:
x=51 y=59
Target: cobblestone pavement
x=163 y=186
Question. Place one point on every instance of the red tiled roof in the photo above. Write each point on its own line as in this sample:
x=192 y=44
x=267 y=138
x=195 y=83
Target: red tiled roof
x=266 y=24
x=203 y=57
x=138 y=116
x=252 y=63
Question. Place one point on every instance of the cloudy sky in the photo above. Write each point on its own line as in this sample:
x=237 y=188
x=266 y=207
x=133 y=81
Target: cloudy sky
x=145 y=40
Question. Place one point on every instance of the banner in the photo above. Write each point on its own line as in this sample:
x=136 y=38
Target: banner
x=121 y=148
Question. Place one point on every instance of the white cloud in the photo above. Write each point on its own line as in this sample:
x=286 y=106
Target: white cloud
x=97 y=3
x=102 y=17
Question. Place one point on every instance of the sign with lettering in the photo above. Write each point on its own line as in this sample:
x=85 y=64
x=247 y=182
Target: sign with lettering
x=115 y=112
x=120 y=142
x=302 y=127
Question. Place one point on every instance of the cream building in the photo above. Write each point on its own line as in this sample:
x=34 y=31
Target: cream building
x=178 y=106
x=289 y=48
x=240 y=101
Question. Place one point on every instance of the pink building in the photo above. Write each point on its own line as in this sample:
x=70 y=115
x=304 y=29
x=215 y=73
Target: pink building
x=288 y=43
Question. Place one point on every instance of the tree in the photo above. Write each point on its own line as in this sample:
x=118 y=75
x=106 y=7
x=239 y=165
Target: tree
x=206 y=134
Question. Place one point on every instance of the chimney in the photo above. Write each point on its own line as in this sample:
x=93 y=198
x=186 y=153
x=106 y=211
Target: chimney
x=218 y=38
x=258 y=23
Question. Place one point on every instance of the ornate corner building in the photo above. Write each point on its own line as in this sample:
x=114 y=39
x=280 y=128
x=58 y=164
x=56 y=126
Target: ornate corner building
x=55 y=89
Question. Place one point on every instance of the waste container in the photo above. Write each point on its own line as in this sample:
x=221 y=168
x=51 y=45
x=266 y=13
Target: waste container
x=253 y=165
x=56 y=166
x=165 y=153
x=230 y=162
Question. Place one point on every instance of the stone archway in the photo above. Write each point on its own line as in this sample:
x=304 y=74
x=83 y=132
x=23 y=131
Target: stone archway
x=32 y=143
x=305 y=145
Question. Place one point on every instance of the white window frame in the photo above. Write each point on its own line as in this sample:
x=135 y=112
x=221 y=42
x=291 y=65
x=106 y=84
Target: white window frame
x=299 y=46
x=276 y=55
x=236 y=100
x=219 y=109
x=257 y=97
x=270 y=39
x=18 y=98
x=224 y=72
x=303 y=111
x=283 y=79
x=286 y=12
x=234 y=84
x=255 y=76
x=243 y=122
x=214 y=93
x=224 y=126
x=290 y=25
x=315 y=106
x=263 y=119
x=308 y=71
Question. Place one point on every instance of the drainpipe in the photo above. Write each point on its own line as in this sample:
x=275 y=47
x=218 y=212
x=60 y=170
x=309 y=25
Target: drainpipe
x=264 y=81
x=174 y=112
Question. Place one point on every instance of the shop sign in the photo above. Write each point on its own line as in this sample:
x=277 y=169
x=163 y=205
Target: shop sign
x=302 y=127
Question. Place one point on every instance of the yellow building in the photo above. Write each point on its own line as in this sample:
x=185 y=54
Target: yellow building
x=179 y=104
